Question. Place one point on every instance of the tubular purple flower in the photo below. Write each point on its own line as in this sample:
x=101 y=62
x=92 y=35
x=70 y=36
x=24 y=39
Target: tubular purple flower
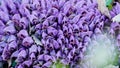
x=47 y=58
x=2 y=26
x=72 y=40
x=20 y=66
x=61 y=3
x=45 y=24
x=12 y=46
x=43 y=5
x=15 y=54
x=97 y=31
x=21 y=56
x=9 y=29
x=66 y=7
x=115 y=26
x=76 y=18
x=40 y=57
x=60 y=17
x=28 y=41
x=55 y=44
x=24 y=22
x=47 y=64
x=4 y=16
x=11 y=38
x=33 y=49
x=33 y=19
x=75 y=28
x=32 y=56
x=27 y=63
x=3 y=6
x=79 y=4
x=22 y=34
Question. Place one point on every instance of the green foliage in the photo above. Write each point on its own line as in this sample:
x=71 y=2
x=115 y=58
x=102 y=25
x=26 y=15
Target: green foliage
x=58 y=64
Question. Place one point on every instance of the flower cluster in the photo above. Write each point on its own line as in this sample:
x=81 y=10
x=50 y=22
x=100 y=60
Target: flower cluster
x=36 y=33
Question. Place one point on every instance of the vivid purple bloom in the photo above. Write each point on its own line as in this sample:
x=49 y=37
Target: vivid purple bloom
x=28 y=41
x=22 y=34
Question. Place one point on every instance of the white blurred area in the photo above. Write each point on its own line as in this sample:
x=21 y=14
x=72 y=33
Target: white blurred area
x=101 y=53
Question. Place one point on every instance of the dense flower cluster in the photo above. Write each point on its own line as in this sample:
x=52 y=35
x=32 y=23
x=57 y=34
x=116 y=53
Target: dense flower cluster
x=36 y=33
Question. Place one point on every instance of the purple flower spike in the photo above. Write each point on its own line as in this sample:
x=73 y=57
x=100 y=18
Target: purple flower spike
x=28 y=41
x=22 y=34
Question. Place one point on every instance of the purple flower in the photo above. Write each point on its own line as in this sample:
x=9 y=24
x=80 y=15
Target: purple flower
x=47 y=58
x=33 y=49
x=27 y=63
x=4 y=16
x=58 y=55
x=32 y=56
x=115 y=26
x=15 y=54
x=22 y=34
x=55 y=44
x=20 y=66
x=9 y=29
x=27 y=41
x=12 y=46
x=66 y=7
x=40 y=57
x=72 y=40
x=11 y=38
x=97 y=31
x=2 y=26
x=76 y=18
x=60 y=16
x=21 y=56
x=45 y=24
x=24 y=22
x=47 y=64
